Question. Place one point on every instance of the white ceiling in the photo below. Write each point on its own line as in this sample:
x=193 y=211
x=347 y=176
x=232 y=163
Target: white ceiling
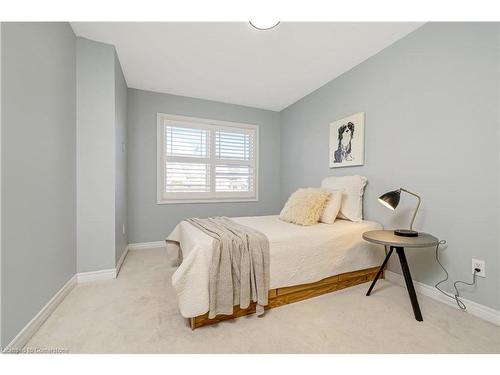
x=235 y=63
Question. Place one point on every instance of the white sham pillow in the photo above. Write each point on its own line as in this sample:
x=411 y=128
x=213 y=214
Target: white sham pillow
x=352 y=198
x=332 y=206
x=305 y=206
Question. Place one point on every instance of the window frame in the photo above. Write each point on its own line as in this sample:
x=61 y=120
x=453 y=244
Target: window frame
x=200 y=197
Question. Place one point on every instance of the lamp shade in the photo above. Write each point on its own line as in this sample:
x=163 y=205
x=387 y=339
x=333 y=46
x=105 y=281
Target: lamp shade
x=390 y=199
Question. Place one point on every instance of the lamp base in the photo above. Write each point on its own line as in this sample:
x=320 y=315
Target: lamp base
x=406 y=233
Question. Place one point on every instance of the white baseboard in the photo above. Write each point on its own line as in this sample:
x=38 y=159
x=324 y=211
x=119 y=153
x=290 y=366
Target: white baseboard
x=473 y=308
x=146 y=245
x=84 y=277
x=121 y=260
x=34 y=324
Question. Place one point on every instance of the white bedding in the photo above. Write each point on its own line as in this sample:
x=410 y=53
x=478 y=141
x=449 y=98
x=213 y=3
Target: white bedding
x=298 y=255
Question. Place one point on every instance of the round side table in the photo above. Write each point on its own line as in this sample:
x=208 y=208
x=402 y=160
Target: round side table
x=398 y=243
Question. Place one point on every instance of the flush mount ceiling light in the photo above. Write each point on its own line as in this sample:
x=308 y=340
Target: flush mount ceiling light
x=264 y=24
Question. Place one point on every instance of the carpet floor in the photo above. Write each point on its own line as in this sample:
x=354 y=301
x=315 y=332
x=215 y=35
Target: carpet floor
x=137 y=313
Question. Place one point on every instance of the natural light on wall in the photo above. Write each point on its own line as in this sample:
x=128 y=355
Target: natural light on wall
x=202 y=160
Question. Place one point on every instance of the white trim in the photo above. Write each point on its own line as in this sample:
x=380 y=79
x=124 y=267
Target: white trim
x=34 y=324
x=473 y=308
x=212 y=196
x=205 y=121
x=146 y=245
x=214 y=200
x=121 y=260
x=84 y=277
x=159 y=158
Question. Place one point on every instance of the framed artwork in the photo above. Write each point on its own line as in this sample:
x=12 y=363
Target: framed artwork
x=347 y=141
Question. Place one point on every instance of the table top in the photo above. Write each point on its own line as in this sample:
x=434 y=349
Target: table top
x=387 y=237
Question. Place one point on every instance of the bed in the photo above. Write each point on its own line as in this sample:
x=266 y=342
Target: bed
x=305 y=261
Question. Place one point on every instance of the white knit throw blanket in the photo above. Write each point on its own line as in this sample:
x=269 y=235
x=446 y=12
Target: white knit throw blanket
x=239 y=272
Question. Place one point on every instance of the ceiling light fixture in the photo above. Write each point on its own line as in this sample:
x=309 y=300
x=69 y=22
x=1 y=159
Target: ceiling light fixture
x=264 y=24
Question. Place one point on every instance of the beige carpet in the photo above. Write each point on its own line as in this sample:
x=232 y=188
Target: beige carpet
x=137 y=313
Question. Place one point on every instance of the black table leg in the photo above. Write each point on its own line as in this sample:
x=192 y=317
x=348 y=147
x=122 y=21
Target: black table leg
x=409 y=283
x=380 y=271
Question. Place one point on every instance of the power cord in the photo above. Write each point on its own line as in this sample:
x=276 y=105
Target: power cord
x=455 y=297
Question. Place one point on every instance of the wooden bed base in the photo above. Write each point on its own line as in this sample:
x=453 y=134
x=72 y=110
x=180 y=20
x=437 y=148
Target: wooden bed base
x=283 y=296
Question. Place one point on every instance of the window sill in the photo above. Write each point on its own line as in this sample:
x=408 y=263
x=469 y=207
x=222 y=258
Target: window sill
x=216 y=200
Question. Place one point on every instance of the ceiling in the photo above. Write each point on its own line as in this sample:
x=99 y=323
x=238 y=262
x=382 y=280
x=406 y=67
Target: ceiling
x=232 y=62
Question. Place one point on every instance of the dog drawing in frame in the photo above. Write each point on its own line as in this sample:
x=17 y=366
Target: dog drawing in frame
x=347 y=141
x=343 y=151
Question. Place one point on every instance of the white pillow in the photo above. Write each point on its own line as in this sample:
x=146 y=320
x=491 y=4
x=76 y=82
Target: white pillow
x=332 y=207
x=305 y=206
x=352 y=197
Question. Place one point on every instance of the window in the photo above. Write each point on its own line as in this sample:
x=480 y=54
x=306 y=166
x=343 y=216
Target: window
x=203 y=160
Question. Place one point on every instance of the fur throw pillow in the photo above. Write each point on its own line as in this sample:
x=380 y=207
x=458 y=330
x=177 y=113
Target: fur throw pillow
x=305 y=206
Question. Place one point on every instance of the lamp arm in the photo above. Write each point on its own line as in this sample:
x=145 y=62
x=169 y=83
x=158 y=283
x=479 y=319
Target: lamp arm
x=416 y=209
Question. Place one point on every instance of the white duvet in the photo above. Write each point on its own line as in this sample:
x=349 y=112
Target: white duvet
x=298 y=255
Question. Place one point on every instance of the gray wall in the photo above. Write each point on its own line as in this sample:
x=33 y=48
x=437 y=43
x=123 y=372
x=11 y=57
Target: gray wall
x=38 y=168
x=0 y=183
x=148 y=221
x=120 y=160
x=431 y=103
x=95 y=155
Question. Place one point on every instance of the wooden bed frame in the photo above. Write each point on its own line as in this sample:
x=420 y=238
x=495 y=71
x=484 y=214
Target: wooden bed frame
x=283 y=296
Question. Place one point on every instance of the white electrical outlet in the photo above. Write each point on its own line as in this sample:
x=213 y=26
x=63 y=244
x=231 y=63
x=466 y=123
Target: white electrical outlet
x=478 y=263
x=123 y=228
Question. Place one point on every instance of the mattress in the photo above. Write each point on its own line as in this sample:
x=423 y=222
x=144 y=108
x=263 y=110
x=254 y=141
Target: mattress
x=298 y=255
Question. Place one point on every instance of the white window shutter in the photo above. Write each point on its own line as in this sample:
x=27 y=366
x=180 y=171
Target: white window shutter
x=234 y=150
x=206 y=160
